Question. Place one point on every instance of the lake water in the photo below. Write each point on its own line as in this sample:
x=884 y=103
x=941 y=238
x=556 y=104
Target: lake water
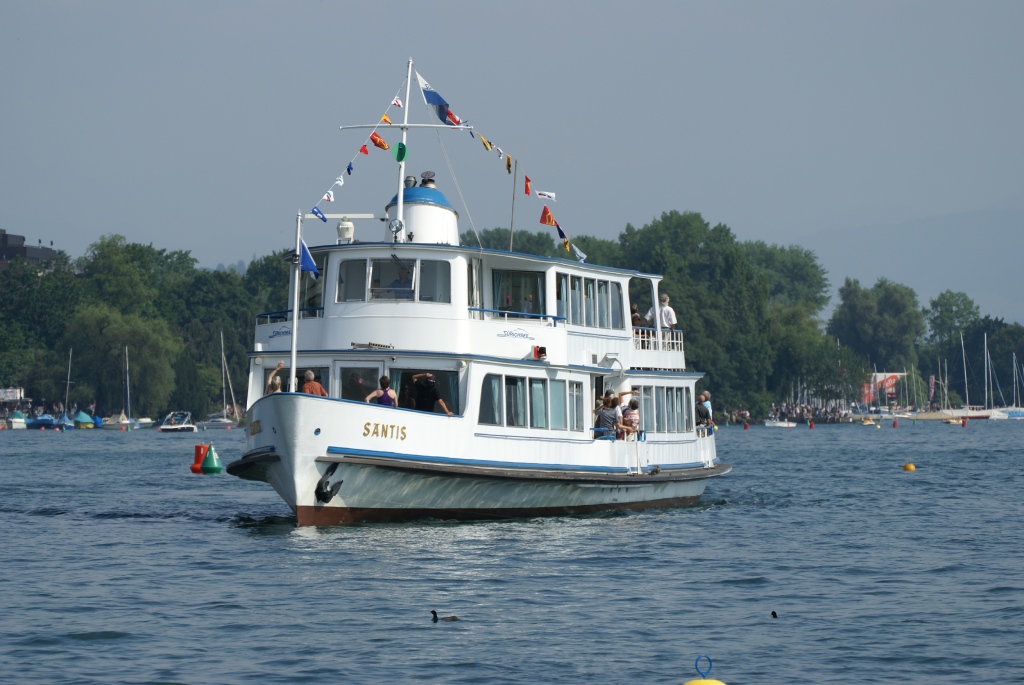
x=117 y=565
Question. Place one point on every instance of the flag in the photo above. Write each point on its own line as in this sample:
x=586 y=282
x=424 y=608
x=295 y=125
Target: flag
x=565 y=240
x=329 y=196
x=543 y=194
x=582 y=257
x=508 y=164
x=363 y=150
x=349 y=168
x=378 y=141
x=546 y=218
x=487 y=143
x=400 y=152
x=317 y=212
x=306 y=262
x=397 y=102
x=340 y=181
x=500 y=153
x=385 y=118
x=434 y=99
x=527 y=184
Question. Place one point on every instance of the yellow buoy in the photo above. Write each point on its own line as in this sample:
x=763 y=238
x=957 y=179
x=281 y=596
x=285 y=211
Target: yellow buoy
x=909 y=467
x=703 y=680
x=878 y=425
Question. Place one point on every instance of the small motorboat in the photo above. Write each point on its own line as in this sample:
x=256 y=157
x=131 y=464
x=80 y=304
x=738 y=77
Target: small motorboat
x=779 y=423
x=145 y=423
x=43 y=421
x=16 y=421
x=177 y=422
x=867 y=422
x=83 y=420
x=217 y=421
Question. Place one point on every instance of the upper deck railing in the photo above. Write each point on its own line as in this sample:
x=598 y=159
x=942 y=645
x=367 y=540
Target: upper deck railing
x=649 y=339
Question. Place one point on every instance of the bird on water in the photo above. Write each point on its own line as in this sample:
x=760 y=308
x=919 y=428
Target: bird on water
x=774 y=615
x=443 y=618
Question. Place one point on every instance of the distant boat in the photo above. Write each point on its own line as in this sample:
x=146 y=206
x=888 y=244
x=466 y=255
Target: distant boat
x=16 y=421
x=221 y=421
x=177 y=422
x=123 y=421
x=83 y=420
x=776 y=423
x=867 y=422
x=42 y=421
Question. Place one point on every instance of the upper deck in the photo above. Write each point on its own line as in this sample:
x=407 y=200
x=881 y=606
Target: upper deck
x=419 y=290
x=449 y=299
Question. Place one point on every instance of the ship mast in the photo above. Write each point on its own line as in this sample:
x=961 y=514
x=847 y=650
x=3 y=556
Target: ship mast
x=399 y=228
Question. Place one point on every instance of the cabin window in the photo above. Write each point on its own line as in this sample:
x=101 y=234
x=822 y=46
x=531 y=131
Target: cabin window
x=558 y=416
x=358 y=382
x=446 y=382
x=603 y=305
x=647 y=408
x=661 y=422
x=515 y=401
x=352 y=281
x=490 y=400
x=576 y=301
x=538 y=403
x=562 y=292
x=575 y=406
x=671 y=411
x=518 y=292
x=311 y=291
x=475 y=287
x=617 y=321
x=589 y=310
x=435 y=281
x=392 y=279
x=687 y=410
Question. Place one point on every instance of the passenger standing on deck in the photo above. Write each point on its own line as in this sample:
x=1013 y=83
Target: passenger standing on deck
x=426 y=393
x=311 y=387
x=707 y=404
x=384 y=395
x=667 y=315
x=605 y=417
x=631 y=416
x=701 y=412
x=274 y=381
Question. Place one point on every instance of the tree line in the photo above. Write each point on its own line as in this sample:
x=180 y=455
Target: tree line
x=751 y=314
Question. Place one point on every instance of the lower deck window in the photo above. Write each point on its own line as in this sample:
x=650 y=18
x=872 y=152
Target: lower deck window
x=413 y=396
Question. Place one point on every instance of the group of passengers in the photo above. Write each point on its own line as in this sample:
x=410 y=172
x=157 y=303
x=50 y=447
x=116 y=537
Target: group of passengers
x=424 y=395
x=611 y=417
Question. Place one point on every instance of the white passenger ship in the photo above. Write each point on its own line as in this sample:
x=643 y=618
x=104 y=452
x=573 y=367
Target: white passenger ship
x=522 y=348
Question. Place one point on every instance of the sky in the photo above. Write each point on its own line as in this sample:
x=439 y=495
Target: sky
x=206 y=126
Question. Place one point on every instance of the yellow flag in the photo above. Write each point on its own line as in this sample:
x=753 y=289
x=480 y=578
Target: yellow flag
x=385 y=119
x=508 y=163
x=487 y=144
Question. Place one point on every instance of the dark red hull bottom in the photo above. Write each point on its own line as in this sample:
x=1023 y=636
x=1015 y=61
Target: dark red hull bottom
x=333 y=516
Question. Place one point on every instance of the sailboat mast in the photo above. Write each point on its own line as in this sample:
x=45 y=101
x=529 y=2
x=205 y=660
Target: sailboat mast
x=223 y=388
x=127 y=384
x=967 y=391
x=985 y=345
x=68 y=384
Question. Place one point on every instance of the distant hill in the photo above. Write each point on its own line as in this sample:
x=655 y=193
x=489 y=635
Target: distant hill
x=980 y=253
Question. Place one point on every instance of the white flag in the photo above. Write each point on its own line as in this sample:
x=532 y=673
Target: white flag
x=582 y=257
x=501 y=155
x=329 y=196
x=546 y=195
x=340 y=181
x=397 y=102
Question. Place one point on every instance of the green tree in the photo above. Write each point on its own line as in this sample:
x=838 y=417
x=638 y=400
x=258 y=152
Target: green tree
x=266 y=281
x=792 y=274
x=40 y=297
x=539 y=243
x=883 y=323
x=99 y=335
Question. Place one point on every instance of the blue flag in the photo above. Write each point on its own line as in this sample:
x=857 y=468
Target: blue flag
x=349 y=169
x=317 y=212
x=306 y=262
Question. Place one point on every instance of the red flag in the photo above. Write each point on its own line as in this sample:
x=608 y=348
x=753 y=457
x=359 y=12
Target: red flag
x=527 y=184
x=546 y=218
x=364 y=150
x=378 y=141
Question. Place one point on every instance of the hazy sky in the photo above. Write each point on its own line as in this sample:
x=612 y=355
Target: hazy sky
x=205 y=126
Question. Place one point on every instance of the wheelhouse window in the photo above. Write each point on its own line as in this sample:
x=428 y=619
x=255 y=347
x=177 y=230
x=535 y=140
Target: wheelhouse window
x=576 y=301
x=435 y=281
x=358 y=382
x=575 y=406
x=392 y=279
x=352 y=281
x=321 y=374
x=518 y=292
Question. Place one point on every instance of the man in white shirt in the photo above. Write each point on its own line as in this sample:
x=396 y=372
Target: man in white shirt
x=667 y=315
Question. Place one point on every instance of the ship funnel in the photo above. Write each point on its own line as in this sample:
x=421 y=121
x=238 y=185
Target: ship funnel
x=429 y=218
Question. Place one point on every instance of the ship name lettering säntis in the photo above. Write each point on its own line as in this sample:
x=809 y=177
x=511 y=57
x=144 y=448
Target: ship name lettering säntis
x=383 y=430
